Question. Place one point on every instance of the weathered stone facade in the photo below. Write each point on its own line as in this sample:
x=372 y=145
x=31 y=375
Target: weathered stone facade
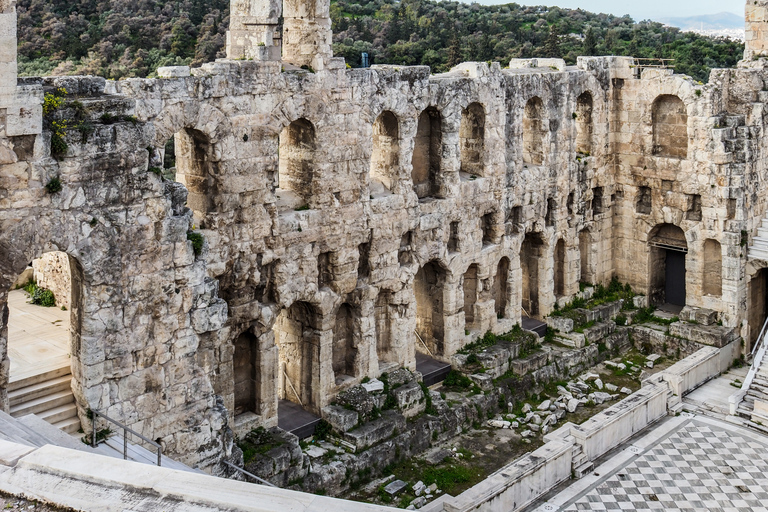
x=353 y=217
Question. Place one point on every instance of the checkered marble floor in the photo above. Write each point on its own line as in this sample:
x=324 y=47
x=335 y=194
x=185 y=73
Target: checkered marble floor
x=700 y=466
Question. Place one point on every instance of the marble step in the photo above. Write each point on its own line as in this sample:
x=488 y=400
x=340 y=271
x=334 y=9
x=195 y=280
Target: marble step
x=43 y=404
x=40 y=389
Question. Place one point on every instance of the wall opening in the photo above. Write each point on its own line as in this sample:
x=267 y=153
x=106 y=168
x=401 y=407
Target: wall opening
x=531 y=253
x=694 y=207
x=644 y=201
x=427 y=154
x=583 y=117
x=670 y=127
x=470 y=296
x=245 y=368
x=515 y=219
x=472 y=139
x=298 y=344
x=668 y=248
x=597 y=201
x=560 y=268
x=500 y=285
x=385 y=159
x=533 y=132
x=453 y=239
x=585 y=255
x=324 y=270
x=363 y=260
x=196 y=169
x=488 y=228
x=549 y=216
x=43 y=315
x=404 y=255
x=712 y=279
x=428 y=286
x=344 y=345
x=296 y=165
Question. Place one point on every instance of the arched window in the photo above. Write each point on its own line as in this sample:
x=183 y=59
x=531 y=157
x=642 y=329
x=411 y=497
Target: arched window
x=533 y=132
x=298 y=354
x=428 y=289
x=670 y=127
x=500 y=287
x=386 y=152
x=195 y=168
x=530 y=255
x=470 y=296
x=245 y=367
x=344 y=347
x=585 y=254
x=296 y=167
x=560 y=268
x=584 y=123
x=472 y=139
x=712 y=280
x=427 y=152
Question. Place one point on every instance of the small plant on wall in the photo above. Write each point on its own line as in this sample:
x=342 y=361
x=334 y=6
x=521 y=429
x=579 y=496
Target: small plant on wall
x=54 y=185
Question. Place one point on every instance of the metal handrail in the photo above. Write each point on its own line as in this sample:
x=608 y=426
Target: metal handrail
x=758 y=353
x=261 y=480
x=760 y=338
x=126 y=430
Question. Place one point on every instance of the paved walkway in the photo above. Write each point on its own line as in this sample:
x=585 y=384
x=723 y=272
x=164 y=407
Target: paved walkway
x=695 y=461
x=38 y=337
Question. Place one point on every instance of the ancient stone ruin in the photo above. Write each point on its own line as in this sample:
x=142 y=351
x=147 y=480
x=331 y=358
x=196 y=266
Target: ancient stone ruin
x=354 y=218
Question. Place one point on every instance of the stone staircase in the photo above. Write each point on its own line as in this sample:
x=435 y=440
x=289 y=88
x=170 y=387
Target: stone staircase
x=581 y=465
x=758 y=390
x=48 y=396
x=33 y=431
x=759 y=248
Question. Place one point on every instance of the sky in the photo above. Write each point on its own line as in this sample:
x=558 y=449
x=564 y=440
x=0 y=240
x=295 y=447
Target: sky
x=641 y=9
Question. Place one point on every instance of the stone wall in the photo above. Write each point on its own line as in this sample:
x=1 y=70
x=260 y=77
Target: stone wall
x=52 y=271
x=302 y=182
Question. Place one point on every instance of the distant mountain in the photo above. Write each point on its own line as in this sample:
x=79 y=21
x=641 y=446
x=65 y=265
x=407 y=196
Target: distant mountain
x=720 y=21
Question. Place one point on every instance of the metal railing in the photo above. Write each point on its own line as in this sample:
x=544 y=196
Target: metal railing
x=758 y=354
x=126 y=430
x=260 y=480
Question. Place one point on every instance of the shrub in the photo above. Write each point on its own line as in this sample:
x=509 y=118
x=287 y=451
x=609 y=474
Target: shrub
x=43 y=297
x=197 y=240
x=457 y=380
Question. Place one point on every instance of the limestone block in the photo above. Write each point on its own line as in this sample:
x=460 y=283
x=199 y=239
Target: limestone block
x=173 y=72
x=562 y=324
x=713 y=335
x=210 y=318
x=342 y=419
x=377 y=430
x=699 y=315
x=410 y=398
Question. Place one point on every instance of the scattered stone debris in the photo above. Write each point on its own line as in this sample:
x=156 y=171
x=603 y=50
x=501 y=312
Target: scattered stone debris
x=395 y=488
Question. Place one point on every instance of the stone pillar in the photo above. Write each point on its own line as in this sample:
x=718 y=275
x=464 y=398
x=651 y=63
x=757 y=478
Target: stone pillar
x=7 y=56
x=253 y=30
x=307 y=33
x=756 y=29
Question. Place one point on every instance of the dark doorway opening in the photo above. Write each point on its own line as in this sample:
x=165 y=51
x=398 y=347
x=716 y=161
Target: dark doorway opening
x=675 y=277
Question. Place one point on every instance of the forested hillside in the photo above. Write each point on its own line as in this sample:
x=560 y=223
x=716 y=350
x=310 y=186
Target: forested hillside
x=123 y=39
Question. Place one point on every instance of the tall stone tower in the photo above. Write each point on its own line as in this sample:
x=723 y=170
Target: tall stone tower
x=254 y=31
x=757 y=29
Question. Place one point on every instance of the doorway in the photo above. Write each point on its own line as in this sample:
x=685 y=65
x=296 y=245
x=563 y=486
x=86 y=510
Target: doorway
x=675 y=277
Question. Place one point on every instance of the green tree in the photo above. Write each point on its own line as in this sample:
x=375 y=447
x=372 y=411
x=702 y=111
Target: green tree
x=552 y=46
x=590 y=43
